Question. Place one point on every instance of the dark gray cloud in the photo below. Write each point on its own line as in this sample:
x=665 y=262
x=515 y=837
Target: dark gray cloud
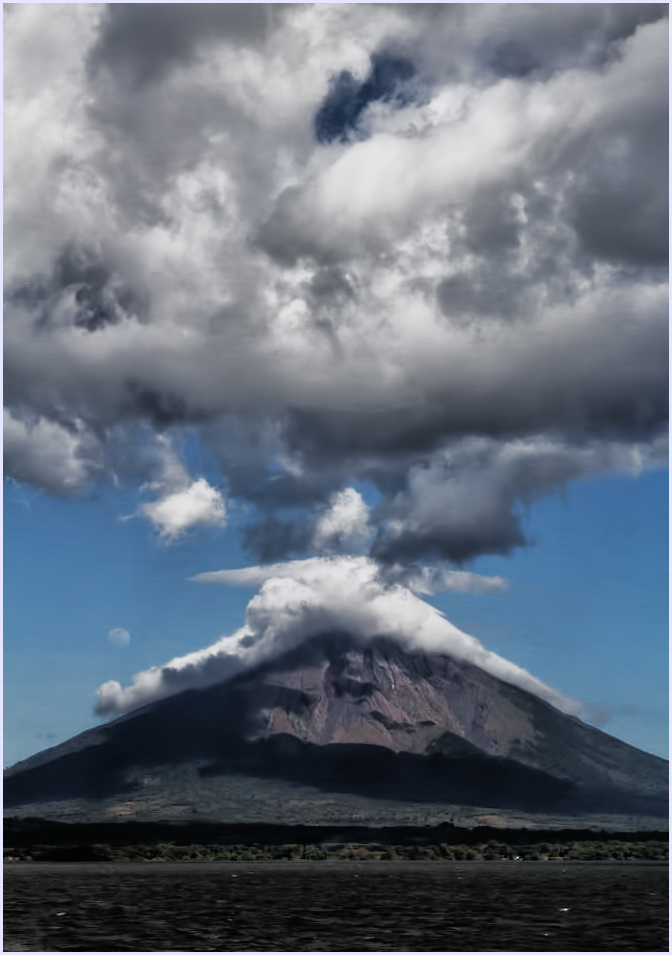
x=420 y=247
x=526 y=41
x=283 y=235
x=58 y=457
x=555 y=39
x=141 y=42
x=272 y=538
x=470 y=499
x=330 y=283
x=579 y=381
x=87 y=289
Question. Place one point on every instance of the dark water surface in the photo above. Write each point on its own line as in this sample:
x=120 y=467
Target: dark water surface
x=336 y=906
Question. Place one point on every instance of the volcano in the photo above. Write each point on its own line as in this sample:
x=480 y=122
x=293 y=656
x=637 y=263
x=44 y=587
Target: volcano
x=348 y=719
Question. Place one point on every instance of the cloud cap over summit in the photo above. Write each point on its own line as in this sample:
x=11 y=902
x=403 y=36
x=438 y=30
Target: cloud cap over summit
x=300 y=600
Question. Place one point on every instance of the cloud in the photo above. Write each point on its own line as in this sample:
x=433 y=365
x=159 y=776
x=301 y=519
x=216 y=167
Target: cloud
x=469 y=499
x=433 y=580
x=425 y=580
x=140 y=47
x=505 y=137
x=119 y=637
x=180 y=503
x=344 y=526
x=302 y=599
x=55 y=457
x=202 y=668
x=198 y=504
x=339 y=245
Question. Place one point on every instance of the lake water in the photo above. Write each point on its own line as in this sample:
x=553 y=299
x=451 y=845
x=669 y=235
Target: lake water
x=336 y=906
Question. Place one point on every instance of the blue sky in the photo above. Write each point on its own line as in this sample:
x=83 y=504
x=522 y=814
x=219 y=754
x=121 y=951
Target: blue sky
x=378 y=287
x=586 y=610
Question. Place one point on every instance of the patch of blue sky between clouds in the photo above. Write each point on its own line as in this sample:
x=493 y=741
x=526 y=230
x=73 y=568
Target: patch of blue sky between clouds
x=389 y=80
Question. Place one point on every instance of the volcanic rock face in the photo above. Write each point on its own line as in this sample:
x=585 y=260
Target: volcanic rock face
x=336 y=691
x=383 y=696
x=372 y=719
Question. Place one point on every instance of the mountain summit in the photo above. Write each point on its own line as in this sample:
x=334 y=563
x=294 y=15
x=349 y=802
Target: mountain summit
x=372 y=719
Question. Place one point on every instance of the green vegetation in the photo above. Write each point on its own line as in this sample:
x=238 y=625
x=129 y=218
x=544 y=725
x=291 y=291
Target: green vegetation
x=584 y=851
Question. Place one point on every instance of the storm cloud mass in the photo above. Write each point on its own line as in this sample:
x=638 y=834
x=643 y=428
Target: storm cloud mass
x=421 y=249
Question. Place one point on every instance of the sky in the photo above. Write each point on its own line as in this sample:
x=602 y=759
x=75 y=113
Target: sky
x=324 y=316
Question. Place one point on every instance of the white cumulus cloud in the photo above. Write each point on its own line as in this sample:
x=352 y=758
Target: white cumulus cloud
x=344 y=527
x=199 y=504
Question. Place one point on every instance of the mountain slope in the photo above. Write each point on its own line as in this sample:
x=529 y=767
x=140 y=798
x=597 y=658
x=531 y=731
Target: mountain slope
x=371 y=719
x=334 y=691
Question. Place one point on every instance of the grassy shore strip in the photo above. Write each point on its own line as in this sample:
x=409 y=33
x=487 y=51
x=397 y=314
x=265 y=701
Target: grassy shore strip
x=583 y=851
